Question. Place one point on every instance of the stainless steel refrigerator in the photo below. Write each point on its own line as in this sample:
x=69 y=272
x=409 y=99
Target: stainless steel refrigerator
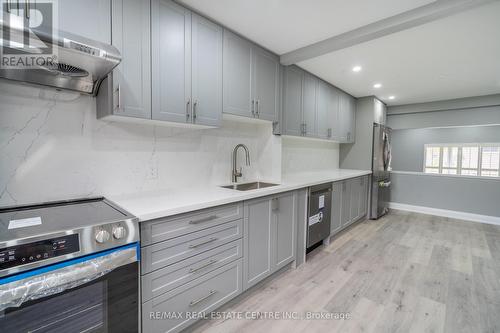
x=381 y=167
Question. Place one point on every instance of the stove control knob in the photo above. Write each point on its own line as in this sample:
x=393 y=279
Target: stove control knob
x=119 y=232
x=102 y=236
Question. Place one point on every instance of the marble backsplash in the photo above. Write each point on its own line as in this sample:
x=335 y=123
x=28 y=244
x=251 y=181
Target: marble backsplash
x=52 y=147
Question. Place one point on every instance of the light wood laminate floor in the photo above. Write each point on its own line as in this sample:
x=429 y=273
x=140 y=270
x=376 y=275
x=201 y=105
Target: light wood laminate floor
x=406 y=272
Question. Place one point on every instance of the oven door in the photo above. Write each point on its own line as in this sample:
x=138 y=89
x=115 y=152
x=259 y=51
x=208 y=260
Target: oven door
x=95 y=293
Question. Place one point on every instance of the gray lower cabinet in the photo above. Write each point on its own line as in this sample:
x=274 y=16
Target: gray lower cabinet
x=251 y=79
x=345 y=209
x=131 y=86
x=349 y=202
x=269 y=236
x=203 y=294
x=336 y=208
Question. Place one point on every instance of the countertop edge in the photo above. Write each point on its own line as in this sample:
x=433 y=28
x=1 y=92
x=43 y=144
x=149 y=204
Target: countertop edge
x=238 y=197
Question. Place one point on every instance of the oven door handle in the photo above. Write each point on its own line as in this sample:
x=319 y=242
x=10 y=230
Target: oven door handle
x=56 y=278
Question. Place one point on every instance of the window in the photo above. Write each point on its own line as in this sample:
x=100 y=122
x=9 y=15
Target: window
x=463 y=159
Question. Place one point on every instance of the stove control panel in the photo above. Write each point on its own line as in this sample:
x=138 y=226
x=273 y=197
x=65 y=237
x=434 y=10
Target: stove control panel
x=18 y=255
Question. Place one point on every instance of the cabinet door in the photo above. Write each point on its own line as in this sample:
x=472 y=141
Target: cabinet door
x=285 y=212
x=336 y=208
x=206 y=64
x=323 y=111
x=74 y=18
x=171 y=58
x=351 y=123
x=257 y=241
x=265 y=84
x=292 y=104
x=309 y=111
x=333 y=113
x=344 y=122
x=346 y=203
x=355 y=195
x=237 y=73
x=363 y=197
x=132 y=77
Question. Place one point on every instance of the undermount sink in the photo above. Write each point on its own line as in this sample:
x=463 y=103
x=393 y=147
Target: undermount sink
x=249 y=186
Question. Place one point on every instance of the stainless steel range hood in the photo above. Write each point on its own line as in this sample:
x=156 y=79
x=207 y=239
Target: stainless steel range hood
x=80 y=64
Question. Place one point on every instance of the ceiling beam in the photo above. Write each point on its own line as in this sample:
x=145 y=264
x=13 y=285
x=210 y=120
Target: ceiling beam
x=406 y=20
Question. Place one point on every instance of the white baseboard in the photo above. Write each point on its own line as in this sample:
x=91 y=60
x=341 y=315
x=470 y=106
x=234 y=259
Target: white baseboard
x=447 y=213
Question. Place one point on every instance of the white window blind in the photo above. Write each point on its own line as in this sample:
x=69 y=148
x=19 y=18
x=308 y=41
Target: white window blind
x=463 y=159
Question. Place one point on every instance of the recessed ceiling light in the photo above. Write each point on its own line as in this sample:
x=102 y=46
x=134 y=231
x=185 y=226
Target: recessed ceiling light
x=392 y=97
x=357 y=69
x=377 y=85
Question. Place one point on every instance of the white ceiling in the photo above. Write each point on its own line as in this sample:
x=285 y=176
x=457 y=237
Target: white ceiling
x=457 y=56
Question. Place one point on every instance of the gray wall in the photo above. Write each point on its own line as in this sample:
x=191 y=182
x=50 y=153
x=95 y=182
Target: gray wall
x=425 y=123
x=476 y=196
x=408 y=145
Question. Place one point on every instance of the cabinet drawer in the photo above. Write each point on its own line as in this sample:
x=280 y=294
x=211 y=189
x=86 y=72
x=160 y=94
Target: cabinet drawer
x=163 y=229
x=173 y=276
x=169 y=252
x=201 y=295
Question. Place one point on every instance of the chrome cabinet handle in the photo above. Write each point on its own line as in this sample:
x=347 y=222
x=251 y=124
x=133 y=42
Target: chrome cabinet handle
x=119 y=102
x=205 y=219
x=187 y=109
x=194 y=302
x=9 y=8
x=194 y=270
x=253 y=107
x=193 y=246
x=258 y=108
x=195 y=104
x=27 y=8
x=329 y=133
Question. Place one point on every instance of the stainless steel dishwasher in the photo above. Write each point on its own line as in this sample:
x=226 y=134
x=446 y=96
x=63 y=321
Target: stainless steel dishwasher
x=319 y=213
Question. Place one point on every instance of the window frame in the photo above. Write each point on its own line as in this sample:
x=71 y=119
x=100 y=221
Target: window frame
x=459 y=169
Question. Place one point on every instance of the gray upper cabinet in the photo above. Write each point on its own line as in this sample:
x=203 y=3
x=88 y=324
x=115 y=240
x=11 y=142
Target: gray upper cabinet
x=237 y=75
x=171 y=53
x=131 y=91
x=206 y=64
x=333 y=113
x=292 y=101
x=347 y=117
x=187 y=62
x=324 y=123
x=74 y=18
x=314 y=108
x=285 y=213
x=251 y=79
x=265 y=84
x=309 y=110
x=257 y=241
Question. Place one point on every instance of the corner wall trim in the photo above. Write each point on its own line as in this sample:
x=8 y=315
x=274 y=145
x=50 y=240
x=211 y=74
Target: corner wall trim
x=447 y=213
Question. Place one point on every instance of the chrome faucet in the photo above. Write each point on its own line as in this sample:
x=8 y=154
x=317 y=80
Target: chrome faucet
x=237 y=173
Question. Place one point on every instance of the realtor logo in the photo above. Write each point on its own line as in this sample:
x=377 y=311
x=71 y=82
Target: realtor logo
x=28 y=31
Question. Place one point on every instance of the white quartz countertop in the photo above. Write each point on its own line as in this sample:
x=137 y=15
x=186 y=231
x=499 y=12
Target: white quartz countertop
x=168 y=202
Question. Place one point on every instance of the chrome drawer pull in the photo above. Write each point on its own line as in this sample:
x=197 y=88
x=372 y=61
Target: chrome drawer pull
x=205 y=219
x=193 y=303
x=194 y=270
x=192 y=246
